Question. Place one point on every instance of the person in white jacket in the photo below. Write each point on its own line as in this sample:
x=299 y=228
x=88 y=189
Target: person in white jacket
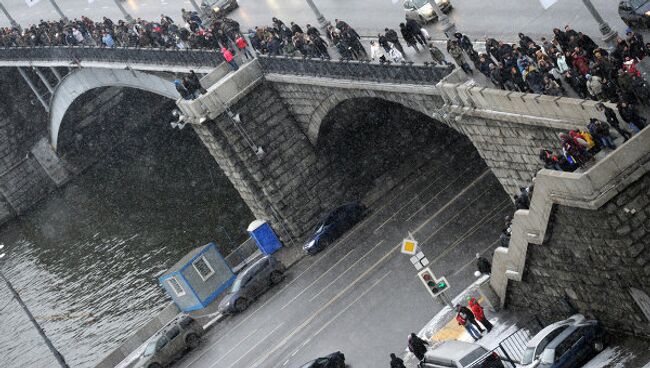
x=377 y=52
x=395 y=54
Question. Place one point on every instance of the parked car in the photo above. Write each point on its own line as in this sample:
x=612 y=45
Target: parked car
x=172 y=341
x=334 y=360
x=252 y=282
x=220 y=7
x=335 y=224
x=422 y=11
x=635 y=13
x=565 y=344
x=459 y=354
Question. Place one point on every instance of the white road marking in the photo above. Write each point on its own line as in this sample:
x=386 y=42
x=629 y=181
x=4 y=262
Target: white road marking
x=302 y=326
x=317 y=279
x=445 y=188
x=344 y=272
x=342 y=311
x=416 y=196
x=352 y=303
x=471 y=231
x=236 y=346
x=473 y=260
x=461 y=193
x=254 y=346
x=460 y=212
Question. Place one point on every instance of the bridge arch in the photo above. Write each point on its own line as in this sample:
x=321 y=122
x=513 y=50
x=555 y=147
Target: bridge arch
x=85 y=79
x=427 y=105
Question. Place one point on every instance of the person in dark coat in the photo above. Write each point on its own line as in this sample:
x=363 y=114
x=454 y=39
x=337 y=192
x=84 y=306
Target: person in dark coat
x=417 y=346
x=408 y=36
x=612 y=120
x=416 y=30
x=396 y=362
x=631 y=116
x=483 y=265
x=470 y=316
x=392 y=37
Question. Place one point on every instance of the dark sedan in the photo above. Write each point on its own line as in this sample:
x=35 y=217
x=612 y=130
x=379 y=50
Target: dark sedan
x=635 y=13
x=251 y=283
x=334 y=360
x=335 y=224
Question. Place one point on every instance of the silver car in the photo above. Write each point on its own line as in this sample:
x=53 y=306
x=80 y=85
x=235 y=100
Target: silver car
x=459 y=354
x=251 y=283
x=422 y=11
x=181 y=334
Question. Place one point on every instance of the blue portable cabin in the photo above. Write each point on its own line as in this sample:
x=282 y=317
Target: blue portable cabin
x=198 y=278
x=267 y=242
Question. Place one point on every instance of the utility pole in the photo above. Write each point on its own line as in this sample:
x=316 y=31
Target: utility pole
x=319 y=16
x=48 y=343
x=448 y=27
x=127 y=16
x=58 y=10
x=609 y=35
x=11 y=20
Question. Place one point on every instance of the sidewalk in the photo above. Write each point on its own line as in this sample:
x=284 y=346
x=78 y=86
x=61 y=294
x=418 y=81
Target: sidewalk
x=622 y=352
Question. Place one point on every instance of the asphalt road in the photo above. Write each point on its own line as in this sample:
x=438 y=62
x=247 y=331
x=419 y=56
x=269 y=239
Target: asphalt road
x=500 y=18
x=361 y=295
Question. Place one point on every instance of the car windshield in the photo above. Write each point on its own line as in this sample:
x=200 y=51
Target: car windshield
x=472 y=357
x=236 y=285
x=150 y=349
x=528 y=356
x=419 y=3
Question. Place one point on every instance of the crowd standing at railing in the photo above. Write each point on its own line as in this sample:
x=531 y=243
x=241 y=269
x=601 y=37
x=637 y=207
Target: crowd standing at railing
x=165 y=33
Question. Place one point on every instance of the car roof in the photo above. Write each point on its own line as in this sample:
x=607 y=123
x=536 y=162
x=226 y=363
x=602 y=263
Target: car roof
x=248 y=269
x=576 y=318
x=453 y=350
x=566 y=333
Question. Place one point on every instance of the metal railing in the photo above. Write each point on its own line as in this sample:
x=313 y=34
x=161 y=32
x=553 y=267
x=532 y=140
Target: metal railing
x=408 y=72
x=510 y=350
x=131 y=55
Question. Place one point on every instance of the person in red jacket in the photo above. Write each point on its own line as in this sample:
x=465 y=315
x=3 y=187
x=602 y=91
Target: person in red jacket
x=242 y=45
x=479 y=314
x=230 y=59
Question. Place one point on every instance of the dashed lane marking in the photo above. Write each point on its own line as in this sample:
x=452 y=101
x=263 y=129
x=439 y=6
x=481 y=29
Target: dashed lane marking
x=317 y=279
x=460 y=194
x=344 y=272
x=254 y=346
x=235 y=347
x=447 y=187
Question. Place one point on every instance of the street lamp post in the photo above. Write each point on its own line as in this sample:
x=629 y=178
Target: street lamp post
x=58 y=10
x=48 y=343
x=127 y=16
x=319 y=16
x=448 y=27
x=11 y=20
x=609 y=35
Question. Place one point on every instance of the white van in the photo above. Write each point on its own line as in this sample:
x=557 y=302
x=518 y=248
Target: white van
x=422 y=11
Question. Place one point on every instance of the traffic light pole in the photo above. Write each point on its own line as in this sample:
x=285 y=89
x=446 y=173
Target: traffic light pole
x=444 y=299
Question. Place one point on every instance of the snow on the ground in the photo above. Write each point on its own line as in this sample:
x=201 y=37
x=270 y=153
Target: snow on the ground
x=501 y=330
x=609 y=356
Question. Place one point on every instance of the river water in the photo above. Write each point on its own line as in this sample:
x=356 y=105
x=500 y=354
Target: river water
x=86 y=259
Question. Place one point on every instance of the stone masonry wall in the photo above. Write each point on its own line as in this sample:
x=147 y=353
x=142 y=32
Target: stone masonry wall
x=592 y=258
x=288 y=181
x=510 y=150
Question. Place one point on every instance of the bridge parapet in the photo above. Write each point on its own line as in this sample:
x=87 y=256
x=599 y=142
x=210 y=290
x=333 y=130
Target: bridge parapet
x=407 y=73
x=136 y=58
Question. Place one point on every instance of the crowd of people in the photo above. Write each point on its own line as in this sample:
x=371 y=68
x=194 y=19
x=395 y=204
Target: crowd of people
x=165 y=33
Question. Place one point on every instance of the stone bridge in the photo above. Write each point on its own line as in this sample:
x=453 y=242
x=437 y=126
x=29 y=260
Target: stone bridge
x=290 y=135
x=287 y=106
x=583 y=245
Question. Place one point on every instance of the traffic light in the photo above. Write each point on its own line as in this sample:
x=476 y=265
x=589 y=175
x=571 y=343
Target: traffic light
x=433 y=285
